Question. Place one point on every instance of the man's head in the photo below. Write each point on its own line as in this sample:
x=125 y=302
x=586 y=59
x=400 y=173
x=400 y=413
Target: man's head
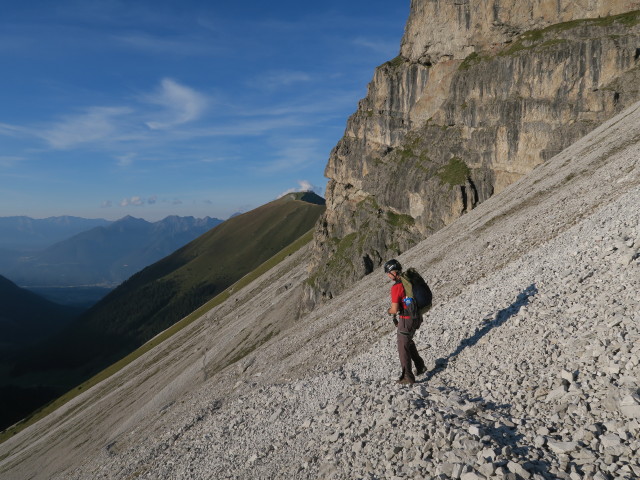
x=392 y=268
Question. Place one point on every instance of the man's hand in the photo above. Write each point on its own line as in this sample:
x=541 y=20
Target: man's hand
x=395 y=308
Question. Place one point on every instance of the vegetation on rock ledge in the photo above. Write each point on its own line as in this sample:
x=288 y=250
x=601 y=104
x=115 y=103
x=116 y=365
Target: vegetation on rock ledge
x=456 y=172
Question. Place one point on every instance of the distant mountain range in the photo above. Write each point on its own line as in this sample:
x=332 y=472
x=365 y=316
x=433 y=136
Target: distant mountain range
x=105 y=255
x=24 y=233
x=159 y=295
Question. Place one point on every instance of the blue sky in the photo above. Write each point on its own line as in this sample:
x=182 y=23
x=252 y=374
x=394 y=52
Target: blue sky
x=156 y=108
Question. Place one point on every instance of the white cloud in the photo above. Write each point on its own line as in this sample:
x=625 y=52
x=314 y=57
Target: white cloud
x=11 y=130
x=106 y=204
x=97 y=123
x=133 y=201
x=152 y=200
x=303 y=186
x=119 y=124
x=182 y=104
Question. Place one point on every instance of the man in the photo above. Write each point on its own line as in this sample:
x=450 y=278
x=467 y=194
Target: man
x=406 y=347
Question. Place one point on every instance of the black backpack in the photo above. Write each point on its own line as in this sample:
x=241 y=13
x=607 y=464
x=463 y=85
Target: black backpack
x=418 y=296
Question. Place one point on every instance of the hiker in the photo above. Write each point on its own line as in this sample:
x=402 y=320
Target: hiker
x=406 y=326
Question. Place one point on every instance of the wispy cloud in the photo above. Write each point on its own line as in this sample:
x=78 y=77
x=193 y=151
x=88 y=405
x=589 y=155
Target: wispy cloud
x=386 y=48
x=9 y=161
x=12 y=130
x=276 y=80
x=314 y=104
x=125 y=160
x=295 y=153
x=182 y=46
x=182 y=104
x=118 y=124
x=97 y=123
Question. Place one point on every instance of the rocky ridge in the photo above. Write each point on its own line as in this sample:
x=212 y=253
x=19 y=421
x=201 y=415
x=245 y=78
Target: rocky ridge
x=481 y=93
x=533 y=349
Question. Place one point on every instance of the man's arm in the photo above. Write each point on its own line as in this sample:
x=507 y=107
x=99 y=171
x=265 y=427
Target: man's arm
x=395 y=308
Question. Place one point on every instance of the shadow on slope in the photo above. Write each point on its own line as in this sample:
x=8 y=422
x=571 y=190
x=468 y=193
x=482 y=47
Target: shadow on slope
x=503 y=433
x=499 y=319
x=495 y=421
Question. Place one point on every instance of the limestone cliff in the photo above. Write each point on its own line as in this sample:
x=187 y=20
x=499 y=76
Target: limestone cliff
x=481 y=93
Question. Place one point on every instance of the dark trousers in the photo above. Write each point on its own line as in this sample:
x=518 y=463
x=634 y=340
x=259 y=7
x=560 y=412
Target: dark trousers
x=407 y=349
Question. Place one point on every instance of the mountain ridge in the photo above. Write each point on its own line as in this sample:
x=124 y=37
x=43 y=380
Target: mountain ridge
x=39 y=233
x=106 y=255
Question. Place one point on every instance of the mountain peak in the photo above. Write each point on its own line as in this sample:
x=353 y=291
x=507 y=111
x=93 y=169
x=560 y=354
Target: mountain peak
x=129 y=218
x=308 y=196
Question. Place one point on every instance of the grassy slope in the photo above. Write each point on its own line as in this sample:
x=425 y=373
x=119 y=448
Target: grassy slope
x=202 y=269
x=25 y=315
x=25 y=318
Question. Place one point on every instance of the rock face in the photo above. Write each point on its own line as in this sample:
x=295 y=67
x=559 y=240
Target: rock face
x=481 y=93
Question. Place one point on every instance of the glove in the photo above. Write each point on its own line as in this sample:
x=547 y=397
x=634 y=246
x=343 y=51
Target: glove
x=395 y=320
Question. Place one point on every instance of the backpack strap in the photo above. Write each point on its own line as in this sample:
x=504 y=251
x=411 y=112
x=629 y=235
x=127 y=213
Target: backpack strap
x=406 y=283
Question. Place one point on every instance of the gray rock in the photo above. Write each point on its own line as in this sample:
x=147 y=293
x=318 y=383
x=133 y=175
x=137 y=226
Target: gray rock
x=518 y=470
x=610 y=440
x=539 y=441
x=562 y=447
x=557 y=394
x=472 y=476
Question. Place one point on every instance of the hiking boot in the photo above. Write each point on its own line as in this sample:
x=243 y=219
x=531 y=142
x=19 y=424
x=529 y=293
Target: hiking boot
x=406 y=381
x=421 y=369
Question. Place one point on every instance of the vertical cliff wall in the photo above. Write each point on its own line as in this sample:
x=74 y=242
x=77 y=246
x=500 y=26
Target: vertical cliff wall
x=481 y=93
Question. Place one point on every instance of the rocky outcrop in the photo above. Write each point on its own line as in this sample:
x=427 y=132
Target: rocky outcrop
x=481 y=94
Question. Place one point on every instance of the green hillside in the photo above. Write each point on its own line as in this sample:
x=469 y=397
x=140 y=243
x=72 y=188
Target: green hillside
x=26 y=317
x=163 y=293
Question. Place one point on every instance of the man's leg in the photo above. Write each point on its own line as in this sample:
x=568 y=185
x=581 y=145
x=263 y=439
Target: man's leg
x=417 y=359
x=404 y=353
